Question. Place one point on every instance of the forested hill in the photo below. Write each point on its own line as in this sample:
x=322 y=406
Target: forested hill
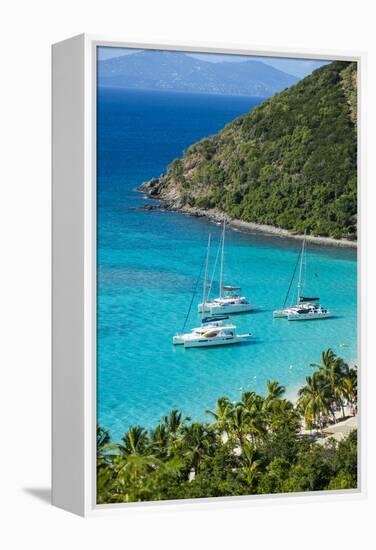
x=290 y=163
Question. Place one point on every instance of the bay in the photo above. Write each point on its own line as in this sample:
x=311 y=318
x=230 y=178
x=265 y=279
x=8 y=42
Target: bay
x=148 y=263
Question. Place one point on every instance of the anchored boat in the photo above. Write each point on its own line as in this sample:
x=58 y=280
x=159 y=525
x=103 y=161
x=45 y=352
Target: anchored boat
x=228 y=301
x=214 y=331
x=306 y=308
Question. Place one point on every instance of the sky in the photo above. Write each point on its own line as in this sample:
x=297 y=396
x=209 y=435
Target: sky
x=293 y=66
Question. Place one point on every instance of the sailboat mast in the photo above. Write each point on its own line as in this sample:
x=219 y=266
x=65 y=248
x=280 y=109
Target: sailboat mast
x=205 y=278
x=301 y=266
x=222 y=258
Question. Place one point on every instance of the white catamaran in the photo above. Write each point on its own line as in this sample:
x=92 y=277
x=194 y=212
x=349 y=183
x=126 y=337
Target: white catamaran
x=214 y=331
x=306 y=308
x=228 y=301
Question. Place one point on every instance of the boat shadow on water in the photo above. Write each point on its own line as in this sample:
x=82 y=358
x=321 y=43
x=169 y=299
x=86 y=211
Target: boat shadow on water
x=257 y=310
x=239 y=314
x=251 y=312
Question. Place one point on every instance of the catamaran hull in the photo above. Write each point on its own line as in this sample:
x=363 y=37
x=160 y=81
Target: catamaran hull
x=308 y=316
x=290 y=315
x=177 y=340
x=225 y=309
x=279 y=313
x=210 y=343
x=205 y=343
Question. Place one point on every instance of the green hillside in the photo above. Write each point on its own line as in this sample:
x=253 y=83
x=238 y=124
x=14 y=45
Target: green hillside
x=290 y=163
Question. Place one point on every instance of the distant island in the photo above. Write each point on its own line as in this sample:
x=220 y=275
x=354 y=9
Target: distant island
x=178 y=72
x=289 y=165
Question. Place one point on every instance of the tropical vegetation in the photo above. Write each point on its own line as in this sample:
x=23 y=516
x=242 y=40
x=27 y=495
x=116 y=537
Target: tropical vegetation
x=290 y=163
x=258 y=445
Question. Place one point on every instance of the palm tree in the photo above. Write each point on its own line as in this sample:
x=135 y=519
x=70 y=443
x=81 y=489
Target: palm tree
x=237 y=425
x=327 y=358
x=159 y=441
x=135 y=442
x=350 y=389
x=198 y=441
x=104 y=446
x=332 y=371
x=282 y=414
x=313 y=400
x=250 y=465
x=272 y=404
x=254 y=407
x=274 y=390
x=134 y=465
x=103 y=437
x=174 y=422
x=249 y=399
x=221 y=414
x=133 y=477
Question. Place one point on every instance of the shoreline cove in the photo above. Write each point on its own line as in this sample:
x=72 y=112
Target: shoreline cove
x=148 y=267
x=217 y=216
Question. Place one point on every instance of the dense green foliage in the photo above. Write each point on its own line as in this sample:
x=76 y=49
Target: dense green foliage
x=290 y=163
x=255 y=446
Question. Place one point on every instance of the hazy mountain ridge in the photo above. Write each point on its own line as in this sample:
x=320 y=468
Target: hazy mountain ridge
x=173 y=71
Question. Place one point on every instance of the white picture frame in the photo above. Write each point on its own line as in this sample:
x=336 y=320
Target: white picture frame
x=74 y=276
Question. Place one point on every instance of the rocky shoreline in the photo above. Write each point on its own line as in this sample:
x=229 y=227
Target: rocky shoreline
x=152 y=191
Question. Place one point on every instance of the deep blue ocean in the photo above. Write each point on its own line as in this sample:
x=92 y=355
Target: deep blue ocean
x=148 y=263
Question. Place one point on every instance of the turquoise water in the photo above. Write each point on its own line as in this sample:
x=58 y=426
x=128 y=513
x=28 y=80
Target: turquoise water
x=148 y=264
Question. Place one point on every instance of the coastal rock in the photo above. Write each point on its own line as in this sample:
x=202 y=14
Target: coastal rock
x=151 y=187
x=147 y=207
x=155 y=188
